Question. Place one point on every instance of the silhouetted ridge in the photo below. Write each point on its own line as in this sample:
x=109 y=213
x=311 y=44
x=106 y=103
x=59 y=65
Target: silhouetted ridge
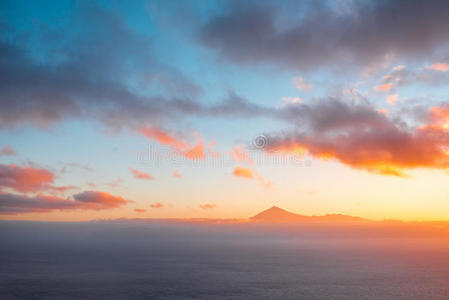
x=276 y=214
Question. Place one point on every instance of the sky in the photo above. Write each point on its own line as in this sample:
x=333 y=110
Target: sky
x=221 y=109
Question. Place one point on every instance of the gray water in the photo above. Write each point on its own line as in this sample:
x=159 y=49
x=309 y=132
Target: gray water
x=167 y=261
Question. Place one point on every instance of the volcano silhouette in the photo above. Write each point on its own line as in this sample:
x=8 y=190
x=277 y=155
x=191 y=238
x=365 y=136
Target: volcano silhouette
x=276 y=214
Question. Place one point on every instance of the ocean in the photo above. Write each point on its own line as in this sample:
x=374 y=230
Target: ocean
x=183 y=261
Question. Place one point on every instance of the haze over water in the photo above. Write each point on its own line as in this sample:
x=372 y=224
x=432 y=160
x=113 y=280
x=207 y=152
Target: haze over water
x=166 y=260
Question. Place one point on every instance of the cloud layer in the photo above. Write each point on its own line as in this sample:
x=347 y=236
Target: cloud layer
x=326 y=33
x=88 y=200
x=358 y=135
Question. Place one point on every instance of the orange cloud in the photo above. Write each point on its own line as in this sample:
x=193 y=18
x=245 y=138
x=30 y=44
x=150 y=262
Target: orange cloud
x=442 y=67
x=140 y=210
x=195 y=151
x=392 y=99
x=363 y=138
x=177 y=174
x=207 y=206
x=384 y=87
x=88 y=200
x=162 y=137
x=250 y=174
x=184 y=148
x=157 y=205
x=243 y=172
x=141 y=175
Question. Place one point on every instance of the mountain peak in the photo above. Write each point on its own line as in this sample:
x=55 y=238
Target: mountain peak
x=277 y=214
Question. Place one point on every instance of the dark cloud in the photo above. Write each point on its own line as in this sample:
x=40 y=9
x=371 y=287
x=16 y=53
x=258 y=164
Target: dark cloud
x=236 y=106
x=92 y=68
x=323 y=34
x=88 y=200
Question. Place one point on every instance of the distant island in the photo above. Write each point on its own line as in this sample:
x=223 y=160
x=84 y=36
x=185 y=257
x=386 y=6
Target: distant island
x=276 y=214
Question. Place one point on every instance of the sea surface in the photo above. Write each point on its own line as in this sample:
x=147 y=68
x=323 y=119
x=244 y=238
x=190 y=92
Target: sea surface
x=179 y=261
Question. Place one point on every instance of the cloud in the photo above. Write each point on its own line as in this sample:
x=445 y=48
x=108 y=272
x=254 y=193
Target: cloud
x=7 y=151
x=243 y=172
x=140 y=210
x=92 y=66
x=69 y=165
x=240 y=156
x=29 y=179
x=207 y=206
x=88 y=200
x=115 y=183
x=392 y=99
x=302 y=84
x=176 y=174
x=248 y=173
x=363 y=33
x=95 y=200
x=402 y=76
x=141 y=175
x=443 y=67
x=292 y=100
x=157 y=205
x=358 y=135
x=192 y=151
x=384 y=87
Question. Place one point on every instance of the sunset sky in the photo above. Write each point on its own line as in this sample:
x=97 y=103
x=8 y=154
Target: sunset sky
x=221 y=109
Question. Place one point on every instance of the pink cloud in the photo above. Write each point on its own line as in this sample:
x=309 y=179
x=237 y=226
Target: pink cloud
x=384 y=87
x=7 y=151
x=29 y=179
x=140 y=210
x=442 y=67
x=392 y=99
x=177 y=174
x=157 y=205
x=141 y=175
x=188 y=150
x=115 y=183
